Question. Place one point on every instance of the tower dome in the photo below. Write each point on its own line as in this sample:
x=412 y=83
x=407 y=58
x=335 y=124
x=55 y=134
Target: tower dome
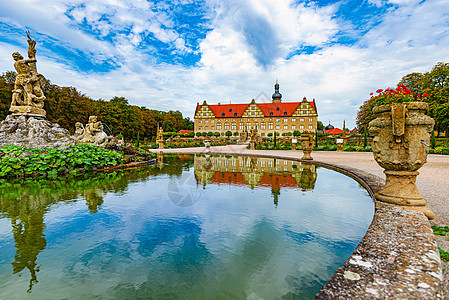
x=277 y=97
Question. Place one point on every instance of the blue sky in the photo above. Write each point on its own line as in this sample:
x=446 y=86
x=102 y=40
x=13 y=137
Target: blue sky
x=169 y=55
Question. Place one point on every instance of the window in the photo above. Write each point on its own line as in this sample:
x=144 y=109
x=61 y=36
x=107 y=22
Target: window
x=310 y=127
x=226 y=126
x=285 y=126
x=262 y=134
x=293 y=126
x=302 y=119
x=285 y=120
x=262 y=126
x=278 y=120
x=207 y=121
x=218 y=126
x=233 y=126
x=277 y=108
x=270 y=125
x=206 y=128
x=199 y=128
x=304 y=106
x=222 y=114
x=301 y=127
x=310 y=119
x=293 y=120
x=253 y=108
x=271 y=113
x=241 y=126
x=212 y=128
x=199 y=121
x=285 y=112
x=235 y=113
x=204 y=114
x=270 y=164
x=230 y=109
x=212 y=121
x=248 y=126
x=304 y=112
x=278 y=127
x=253 y=113
x=256 y=125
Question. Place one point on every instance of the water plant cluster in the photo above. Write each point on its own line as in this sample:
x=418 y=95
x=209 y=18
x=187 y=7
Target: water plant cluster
x=19 y=161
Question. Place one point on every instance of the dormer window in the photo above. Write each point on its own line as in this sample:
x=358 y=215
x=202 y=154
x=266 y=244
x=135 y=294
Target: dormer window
x=222 y=114
x=271 y=113
x=235 y=113
x=285 y=112
x=277 y=108
x=230 y=109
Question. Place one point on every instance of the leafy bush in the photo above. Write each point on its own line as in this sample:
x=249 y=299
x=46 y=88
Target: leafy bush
x=198 y=134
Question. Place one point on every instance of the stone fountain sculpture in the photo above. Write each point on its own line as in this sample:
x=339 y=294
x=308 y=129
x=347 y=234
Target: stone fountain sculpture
x=254 y=138
x=92 y=133
x=27 y=126
x=400 y=145
x=160 y=137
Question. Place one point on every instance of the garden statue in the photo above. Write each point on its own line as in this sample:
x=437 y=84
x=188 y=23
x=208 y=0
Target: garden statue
x=160 y=137
x=28 y=96
x=253 y=138
x=27 y=125
x=92 y=133
x=400 y=145
x=243 y=136
x=207 y=145
x=307 y=143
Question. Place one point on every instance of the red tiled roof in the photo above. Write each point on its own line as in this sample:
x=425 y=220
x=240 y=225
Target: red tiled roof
x=186 y=131
x=335 y=131
x=267 y=180
x=288 y=107
x=236 y=110
x=229 y=110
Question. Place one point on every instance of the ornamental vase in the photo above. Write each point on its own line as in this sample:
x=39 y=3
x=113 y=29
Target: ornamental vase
x=307 y=143
x=401 y=138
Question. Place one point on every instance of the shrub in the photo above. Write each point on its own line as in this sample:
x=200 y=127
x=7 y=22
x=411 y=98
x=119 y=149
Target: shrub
x=216 y=133
x=228 y=133
x=210 y=133
x=204 y=133
x=198 y=134
x=270 y=134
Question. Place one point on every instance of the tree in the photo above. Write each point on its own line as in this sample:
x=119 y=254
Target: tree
x=228 y=133
x=320 y=125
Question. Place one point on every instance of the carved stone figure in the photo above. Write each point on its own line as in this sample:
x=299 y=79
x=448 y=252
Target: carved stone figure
x=160 y=137
x=207 y=145
x=400 y=145
x=92 y=133
x=28 y=96
x=254 y=138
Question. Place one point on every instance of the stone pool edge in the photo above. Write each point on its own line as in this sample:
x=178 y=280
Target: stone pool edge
x=396 y=259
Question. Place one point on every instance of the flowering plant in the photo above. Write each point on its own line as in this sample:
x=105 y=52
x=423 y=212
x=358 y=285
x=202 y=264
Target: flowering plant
x=400 y=94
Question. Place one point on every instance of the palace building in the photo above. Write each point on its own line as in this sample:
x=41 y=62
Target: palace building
x=277 y=116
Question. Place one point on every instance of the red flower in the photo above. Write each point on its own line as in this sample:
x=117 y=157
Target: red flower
x=370 y=94
x=379 y=91
x=425 y=95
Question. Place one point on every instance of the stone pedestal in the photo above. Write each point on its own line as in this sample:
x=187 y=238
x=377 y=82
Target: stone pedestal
x=161 y=144
x=30 y=111
x=251 y=146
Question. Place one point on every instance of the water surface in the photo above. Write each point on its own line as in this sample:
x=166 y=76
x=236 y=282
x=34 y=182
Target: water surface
x=187 y=228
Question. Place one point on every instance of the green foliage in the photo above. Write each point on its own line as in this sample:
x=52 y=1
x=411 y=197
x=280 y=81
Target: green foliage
x=228 y=133
x=296 y=133
x=22 y=161
x=210 y=133
x=198 y=134
x=441 y=230
x=216 y=134
x=444 y=255
x=204 y=133
x=236 y=133
x=270 y=134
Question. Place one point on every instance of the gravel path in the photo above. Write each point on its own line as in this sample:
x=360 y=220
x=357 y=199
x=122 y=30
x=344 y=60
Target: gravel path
x=433 y=181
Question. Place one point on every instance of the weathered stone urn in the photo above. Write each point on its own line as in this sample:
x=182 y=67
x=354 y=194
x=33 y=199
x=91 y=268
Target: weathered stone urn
x=400 y=145
x=307 y=143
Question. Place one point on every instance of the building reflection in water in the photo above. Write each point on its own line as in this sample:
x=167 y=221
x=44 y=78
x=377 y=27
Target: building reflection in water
x=255 y=172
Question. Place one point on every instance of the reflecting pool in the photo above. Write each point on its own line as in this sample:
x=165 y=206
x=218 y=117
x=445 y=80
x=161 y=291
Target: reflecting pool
x=187 y=227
